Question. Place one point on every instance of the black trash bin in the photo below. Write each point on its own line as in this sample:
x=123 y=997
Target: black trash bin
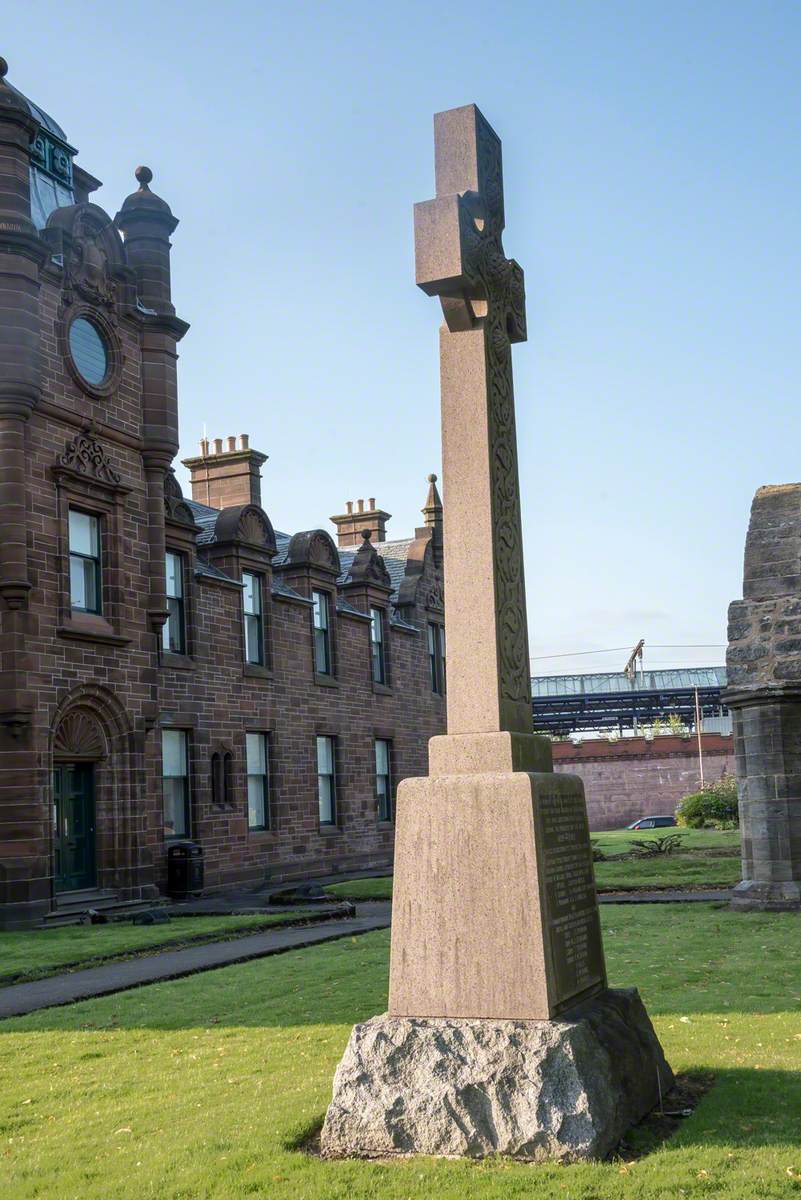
x=184 y=870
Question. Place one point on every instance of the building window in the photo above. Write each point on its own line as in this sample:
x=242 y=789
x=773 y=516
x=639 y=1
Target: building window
x=383 y=778
x=85 y=589
x=89 y=351
x=254 y=633
x=174 y=630
x=377 y=650
x=175 y=782
x=436 y=657
x=222 y=782
x=258 y=781
x=322 y=633
x=326 y=785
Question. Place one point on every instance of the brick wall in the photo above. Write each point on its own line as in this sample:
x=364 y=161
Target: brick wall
x=635 y=777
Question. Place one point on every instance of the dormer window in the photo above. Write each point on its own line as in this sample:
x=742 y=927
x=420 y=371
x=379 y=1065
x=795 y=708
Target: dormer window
x=377 y=653
x=174 y=629
x=254 y=630
x=321 y=624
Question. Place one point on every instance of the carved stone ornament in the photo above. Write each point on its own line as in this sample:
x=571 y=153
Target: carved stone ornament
x=87 y=269
x=436 y=597
x=175 y=507
x=79 y=736
x=245 y=523
x=313 y=548
x=85 y=457
x=368 y=567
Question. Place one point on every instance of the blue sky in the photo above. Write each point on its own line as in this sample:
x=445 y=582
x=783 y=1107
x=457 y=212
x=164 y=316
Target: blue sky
x=652 y=196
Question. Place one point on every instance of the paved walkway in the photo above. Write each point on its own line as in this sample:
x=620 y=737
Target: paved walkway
x=23 y=998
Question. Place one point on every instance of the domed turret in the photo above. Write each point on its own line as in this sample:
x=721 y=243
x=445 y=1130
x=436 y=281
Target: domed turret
x=144 y=200
x=51 y=154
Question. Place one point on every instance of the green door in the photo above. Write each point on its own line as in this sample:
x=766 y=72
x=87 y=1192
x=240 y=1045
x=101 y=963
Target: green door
x=74 y=794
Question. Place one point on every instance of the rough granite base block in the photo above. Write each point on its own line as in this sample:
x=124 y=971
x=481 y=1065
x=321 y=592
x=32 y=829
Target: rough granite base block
x=562 y=1089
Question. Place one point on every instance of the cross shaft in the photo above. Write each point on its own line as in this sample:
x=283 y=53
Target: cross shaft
x=460 y=258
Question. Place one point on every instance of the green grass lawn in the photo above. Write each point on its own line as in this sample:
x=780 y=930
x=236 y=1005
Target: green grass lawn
x=200 y=1089
x=35 y=953
x=707 y=858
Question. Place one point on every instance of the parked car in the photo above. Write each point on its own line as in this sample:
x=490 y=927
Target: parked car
x=652 y=823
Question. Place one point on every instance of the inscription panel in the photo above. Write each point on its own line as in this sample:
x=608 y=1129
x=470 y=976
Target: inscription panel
x=571 y=908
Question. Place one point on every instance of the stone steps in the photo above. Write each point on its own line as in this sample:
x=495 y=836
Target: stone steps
x=72 y=907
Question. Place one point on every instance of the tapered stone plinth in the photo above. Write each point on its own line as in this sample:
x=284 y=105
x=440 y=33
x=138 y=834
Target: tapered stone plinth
x=494 y=908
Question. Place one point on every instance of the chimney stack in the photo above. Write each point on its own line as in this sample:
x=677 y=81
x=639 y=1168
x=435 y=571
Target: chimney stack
x=350 y=524
x=223 y=478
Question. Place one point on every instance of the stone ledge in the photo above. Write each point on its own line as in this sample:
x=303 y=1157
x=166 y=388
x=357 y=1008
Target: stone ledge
x=567 y=1089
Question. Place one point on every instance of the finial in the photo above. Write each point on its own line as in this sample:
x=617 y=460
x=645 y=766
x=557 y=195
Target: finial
x=143 y=177
x=432 y=478
x=3 y=68
x=366 y=534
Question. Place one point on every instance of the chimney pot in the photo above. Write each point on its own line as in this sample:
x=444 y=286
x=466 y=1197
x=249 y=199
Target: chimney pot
x=360 y=504
x=204 y=447
x=371 y=504
x=218 y=445
x=349 y=506
x=231 y=443
x=244 y=441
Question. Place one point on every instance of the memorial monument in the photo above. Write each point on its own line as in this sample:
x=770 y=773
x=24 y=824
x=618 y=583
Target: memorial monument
x=501 y=1034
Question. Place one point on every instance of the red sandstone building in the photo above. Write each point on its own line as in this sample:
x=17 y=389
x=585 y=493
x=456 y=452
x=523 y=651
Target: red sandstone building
x=170 y=667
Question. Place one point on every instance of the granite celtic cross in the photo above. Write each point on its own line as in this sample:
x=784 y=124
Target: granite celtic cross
x=460 y=258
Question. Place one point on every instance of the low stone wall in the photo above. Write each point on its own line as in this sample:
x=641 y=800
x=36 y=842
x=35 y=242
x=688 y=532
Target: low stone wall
x=637 y=777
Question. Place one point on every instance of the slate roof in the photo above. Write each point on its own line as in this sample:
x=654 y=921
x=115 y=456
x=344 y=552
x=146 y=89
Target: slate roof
x=280 y=588
x=204 y=568
x=394 y=555
x=206 y=518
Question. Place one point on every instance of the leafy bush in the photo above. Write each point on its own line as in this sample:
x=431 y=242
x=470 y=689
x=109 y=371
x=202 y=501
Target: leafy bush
x=714 y=807
x=650 y=847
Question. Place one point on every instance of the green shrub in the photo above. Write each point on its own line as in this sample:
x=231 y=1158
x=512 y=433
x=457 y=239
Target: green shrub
x=714 y=807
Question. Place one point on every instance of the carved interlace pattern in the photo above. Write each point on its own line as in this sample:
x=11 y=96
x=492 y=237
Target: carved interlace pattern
x=500 y=280
x=86 y=456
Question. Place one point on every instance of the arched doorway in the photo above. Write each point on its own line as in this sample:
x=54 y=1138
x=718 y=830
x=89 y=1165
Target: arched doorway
x=78 y=746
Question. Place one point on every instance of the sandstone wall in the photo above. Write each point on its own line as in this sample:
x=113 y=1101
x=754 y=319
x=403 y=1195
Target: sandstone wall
x=638 y=778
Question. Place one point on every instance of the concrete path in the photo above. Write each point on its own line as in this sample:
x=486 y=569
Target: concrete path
x=23 y=998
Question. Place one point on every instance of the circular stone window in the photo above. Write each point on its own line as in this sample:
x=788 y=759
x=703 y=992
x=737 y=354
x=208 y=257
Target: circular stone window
x=89 y=350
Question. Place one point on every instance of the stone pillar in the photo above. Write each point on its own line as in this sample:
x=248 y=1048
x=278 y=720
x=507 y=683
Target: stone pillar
x=24 y=888
x=146 y=223
x=764 y=694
